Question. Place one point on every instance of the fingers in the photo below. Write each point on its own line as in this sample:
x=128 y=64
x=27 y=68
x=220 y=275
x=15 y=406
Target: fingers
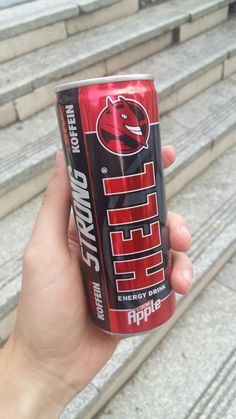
x=179 y=235
x=180 y=241
x=179 y=238
x=52 y=223
x=182 y=272
x=168 y=155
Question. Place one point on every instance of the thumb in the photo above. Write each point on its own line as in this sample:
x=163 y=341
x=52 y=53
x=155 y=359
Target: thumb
x=51 y=227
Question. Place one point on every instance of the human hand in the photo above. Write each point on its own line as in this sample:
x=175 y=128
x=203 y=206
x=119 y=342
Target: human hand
x=55 y=349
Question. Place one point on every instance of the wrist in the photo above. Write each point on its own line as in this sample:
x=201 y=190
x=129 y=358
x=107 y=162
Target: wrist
x=27 y=391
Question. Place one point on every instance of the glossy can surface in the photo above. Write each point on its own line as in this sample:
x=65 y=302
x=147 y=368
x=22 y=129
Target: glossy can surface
x=111 y=140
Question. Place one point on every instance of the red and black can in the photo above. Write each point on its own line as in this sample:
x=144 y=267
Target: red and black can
x=110 y=135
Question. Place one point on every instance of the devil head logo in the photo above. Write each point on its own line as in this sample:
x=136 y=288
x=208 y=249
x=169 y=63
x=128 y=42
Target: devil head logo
x=123 y=126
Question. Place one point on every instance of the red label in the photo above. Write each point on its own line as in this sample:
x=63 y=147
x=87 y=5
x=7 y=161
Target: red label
x=96 y=96
x=130 y=183
x=139 y=271
x=120 y=324
x=134 y=214
x=122 y=146
x=138 y=242
x=140 y=276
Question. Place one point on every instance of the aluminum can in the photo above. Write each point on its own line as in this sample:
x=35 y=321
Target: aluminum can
x=110 y=135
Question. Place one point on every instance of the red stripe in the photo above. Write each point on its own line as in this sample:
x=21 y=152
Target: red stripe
x=131 y=183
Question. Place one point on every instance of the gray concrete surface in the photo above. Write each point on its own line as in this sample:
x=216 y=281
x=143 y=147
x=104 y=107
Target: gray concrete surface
x=80 y=51
x=210 y=48
x=87 y=6
x=191 y=374
x=227 y=276
x=32 y=15
x=9 y=3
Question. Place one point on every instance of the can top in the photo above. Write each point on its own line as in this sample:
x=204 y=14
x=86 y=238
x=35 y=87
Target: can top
x=100 y=80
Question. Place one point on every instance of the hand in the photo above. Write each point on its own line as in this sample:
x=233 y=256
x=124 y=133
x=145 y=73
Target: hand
x=55 y=350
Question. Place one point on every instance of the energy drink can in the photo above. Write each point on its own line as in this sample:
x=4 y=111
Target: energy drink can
x=110 y=134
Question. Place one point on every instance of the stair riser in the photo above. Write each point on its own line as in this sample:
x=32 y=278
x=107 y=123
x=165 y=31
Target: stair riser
x=35 y=39
x=191 y=89
x=229 y=66
x=30 y=41
x=133 y=55
x=32 y=99
x=102 y=16
x=43 y=97
x=23 y=193
x=174 y=183
x=8 y=114
x=191 y=29
x=185 y=174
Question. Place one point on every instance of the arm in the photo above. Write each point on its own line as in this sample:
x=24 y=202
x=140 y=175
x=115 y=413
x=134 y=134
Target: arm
x=27 y=392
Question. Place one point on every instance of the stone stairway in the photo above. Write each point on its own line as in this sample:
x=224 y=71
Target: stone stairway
x=28 y=80
x=41 y=23
x=190 y=47
x=179 y=77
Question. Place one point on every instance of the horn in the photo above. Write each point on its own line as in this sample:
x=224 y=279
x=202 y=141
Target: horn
x=122 y=99
x=109 y=103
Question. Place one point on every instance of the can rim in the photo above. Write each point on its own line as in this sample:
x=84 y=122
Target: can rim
x=101 y=80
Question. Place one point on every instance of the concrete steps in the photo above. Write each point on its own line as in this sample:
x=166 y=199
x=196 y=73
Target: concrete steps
x=180 y=76
x=26 y=161
x=27 y=81
x=5 y=4
x=209 y=205
x=34 y=25
x=28 y=27
x=199 y=71
x=191 y=374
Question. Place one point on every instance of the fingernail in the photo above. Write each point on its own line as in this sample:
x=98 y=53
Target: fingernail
x=187 y=277
x=184 y=231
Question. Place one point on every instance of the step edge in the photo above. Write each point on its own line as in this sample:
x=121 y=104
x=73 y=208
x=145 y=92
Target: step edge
x=39 y=21
x=62 y=15
x=76 y=64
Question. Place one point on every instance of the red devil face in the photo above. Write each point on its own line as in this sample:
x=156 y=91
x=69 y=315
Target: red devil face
x=123 y=126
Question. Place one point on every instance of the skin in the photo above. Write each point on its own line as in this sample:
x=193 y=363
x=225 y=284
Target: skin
x=55 y=350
